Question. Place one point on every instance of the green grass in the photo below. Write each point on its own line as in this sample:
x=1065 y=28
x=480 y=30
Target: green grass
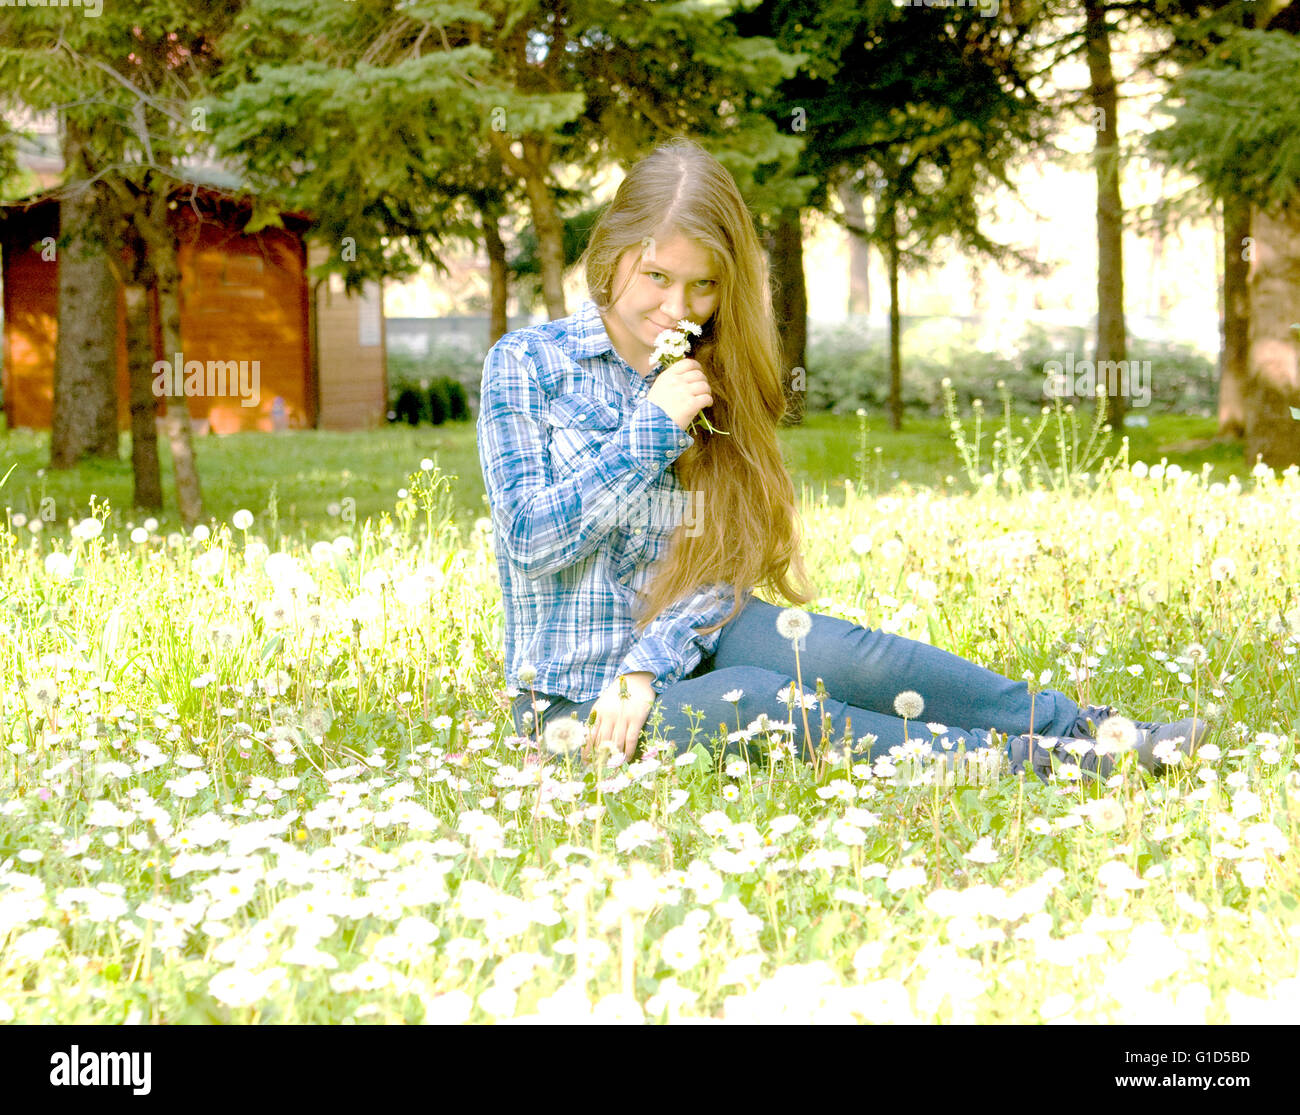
x=241 y=790
x=825 y=449
x=308 y=471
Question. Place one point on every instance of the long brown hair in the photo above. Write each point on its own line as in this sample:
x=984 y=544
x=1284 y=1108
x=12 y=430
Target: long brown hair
x=750 y=534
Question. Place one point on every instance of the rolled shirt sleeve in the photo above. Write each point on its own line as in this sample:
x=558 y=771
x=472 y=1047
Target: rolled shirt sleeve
x=670 y=648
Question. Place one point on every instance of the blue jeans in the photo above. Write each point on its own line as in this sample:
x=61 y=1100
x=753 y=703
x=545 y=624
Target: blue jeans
x=862 y=672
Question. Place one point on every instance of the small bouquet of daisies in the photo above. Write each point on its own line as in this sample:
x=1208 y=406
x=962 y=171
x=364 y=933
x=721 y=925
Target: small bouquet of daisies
x=675 y=344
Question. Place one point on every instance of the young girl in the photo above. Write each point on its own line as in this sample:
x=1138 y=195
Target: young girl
x=629 y=537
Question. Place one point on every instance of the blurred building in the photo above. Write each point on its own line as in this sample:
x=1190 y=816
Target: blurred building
x=315 y=355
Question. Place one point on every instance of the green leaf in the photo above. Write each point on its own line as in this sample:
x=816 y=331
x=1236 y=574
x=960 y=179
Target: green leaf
x=108 y=638
x=618 y=816
x=823 y=937
x=263 y=216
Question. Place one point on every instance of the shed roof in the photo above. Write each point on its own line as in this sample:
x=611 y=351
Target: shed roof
x=212 y=188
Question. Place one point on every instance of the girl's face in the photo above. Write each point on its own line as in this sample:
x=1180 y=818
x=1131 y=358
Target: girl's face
x=670 y=279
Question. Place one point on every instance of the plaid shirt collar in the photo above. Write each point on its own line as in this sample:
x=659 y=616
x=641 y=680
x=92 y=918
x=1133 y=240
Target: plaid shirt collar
x=587 y=335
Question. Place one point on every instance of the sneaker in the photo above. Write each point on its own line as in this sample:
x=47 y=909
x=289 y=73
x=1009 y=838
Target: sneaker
x=1187 y=734
x=1091 y=716
x=1184 y=735
x=1038 y=751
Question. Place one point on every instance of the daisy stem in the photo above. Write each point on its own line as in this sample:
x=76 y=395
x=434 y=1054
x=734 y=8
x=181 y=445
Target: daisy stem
x=771 y=767
x=1019 y=831
x=627 y=957
x=770 y=900
x=934 y=823
x=580 y=955
x=707 y=425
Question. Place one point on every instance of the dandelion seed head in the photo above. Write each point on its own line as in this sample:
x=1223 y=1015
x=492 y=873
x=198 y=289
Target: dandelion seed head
x=1106 y=815
x=909 y=704
x=1115 y=735
x=1223 y=569
x=43 y=693
x=793 y=623
x=59 y=566
x=564 y=735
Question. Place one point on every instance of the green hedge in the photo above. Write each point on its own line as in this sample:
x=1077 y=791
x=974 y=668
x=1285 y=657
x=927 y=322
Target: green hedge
x=848 y=368
x=432 y=388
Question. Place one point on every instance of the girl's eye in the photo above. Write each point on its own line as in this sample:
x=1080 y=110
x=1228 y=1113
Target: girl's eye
x=706 y=283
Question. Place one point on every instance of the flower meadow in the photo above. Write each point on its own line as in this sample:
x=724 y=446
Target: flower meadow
x=266 y=779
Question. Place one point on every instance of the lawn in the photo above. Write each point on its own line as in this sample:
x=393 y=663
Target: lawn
x=312 y=480
x=264 y=773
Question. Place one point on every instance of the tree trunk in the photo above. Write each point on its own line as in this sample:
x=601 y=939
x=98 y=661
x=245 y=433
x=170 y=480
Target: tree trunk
x=497 y=283
x=490 y=211
x=859 y=249
x=144 y=404
x=1234 y=360
x=550 y=231
x=180 y=435
x=1111 y=340
x=889 y=228
x=1272 y=385
x=790 y=306
x=84 y=420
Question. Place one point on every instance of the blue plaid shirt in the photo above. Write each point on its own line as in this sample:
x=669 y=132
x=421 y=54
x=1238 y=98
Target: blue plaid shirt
x=575 y=461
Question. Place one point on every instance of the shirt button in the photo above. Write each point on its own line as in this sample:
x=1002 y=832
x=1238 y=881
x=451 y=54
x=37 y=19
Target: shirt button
x=669 y=453
x=682 y=443
x=637 y=530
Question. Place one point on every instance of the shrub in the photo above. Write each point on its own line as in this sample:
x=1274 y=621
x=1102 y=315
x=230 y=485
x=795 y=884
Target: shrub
x=849 y=368
x=439 y=402
x=411 y=407
x=457 y=367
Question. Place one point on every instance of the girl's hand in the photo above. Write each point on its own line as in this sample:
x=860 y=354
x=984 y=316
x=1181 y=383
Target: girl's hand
x=681 y=391
x=620 y=713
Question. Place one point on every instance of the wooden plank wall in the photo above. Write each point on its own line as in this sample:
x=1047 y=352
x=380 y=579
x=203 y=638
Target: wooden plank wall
x=353 y=376
x=243 y=299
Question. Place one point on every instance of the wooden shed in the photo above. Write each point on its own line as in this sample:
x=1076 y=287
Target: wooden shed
x=298 y=354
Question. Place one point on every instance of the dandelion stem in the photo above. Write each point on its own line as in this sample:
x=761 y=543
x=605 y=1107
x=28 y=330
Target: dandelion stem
x=807 y=733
